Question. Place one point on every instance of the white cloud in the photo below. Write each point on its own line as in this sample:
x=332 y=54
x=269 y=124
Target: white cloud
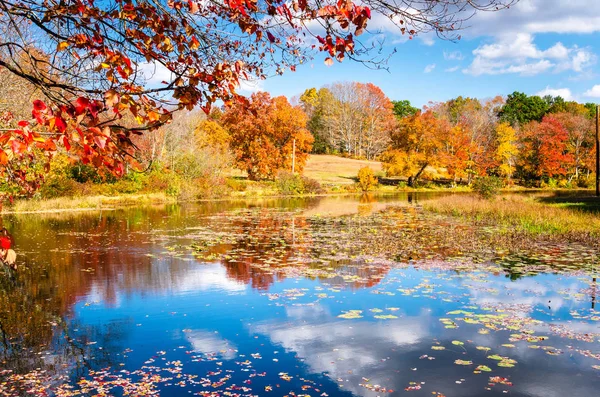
x=539 y=16
x=453 y=69
x=593 y=92
x=565 y=93
x=453 y=56
x=211 y=343
x=252 y=86
x=154 y=73
x=429 y=68
x=518 y=54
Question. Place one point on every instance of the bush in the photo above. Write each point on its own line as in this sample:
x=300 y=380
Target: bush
x=57 y=186
x=488 y=186
x=550 y=184
x=586 y=182
x=312 y=186
x=366 y=179
x=235 y=184
x=289 y=184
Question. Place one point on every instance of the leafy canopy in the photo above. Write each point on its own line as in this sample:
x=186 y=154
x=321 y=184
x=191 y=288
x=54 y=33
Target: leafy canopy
x=112 y=68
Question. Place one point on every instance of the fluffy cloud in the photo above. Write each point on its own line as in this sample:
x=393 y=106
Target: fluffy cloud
x=154 y=73
x=429 y=68
x=539 y=16
x=593 y=92
x=453 y=56
x=453 y=69
x=565 y=93
x=519 y=54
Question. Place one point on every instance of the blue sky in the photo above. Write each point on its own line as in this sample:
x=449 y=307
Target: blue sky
x=538 y=47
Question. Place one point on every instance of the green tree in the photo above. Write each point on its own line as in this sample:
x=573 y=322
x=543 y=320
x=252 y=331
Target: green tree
x=314 y=103
x=403 y=108
x=591 y=110
x=520 y=109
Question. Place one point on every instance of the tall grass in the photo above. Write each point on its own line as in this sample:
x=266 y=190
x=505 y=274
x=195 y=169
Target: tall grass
x=86 y=203
x=524 y=214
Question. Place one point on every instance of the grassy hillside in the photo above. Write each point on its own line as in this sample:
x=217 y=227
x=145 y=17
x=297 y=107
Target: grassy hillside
x=336 y=170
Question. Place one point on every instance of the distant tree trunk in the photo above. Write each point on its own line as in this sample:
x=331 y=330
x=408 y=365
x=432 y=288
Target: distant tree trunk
x=413 y=180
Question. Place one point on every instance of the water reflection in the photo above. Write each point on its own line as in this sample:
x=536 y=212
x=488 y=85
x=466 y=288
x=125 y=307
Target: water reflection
x=233 y=283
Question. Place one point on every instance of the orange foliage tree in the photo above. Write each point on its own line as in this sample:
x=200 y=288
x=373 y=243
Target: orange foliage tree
x=415 y=145
x=262 y=135
x=98 y=61
x=544 y=150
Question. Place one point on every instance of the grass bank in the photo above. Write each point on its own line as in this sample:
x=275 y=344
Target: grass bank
x=525 y=215
x=86 y=203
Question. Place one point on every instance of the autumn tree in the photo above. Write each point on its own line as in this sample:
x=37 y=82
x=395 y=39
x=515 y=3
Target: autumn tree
x=506 y=150
x=315 y=103
x=358 y=118
x=378 y=120
x=97 y=61
x=415 y=145
x=544 y=152
x=580 y=142
x=264 y=133
x=473 y=122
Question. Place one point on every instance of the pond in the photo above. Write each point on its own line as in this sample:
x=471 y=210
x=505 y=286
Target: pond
x=333 y=296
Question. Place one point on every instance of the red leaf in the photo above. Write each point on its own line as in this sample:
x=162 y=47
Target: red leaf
x=39 y=105
x=271 y=37
x=18 y=147
x=66 y=143
x=81 y=105
x=23 y=123
x=100 y=141
x=4 y=138
x=60 y=124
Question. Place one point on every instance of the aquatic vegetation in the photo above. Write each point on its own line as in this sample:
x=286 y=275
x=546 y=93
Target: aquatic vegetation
x=271 y=301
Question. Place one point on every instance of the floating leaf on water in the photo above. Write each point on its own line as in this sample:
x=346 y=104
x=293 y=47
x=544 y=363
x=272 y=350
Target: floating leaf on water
x=386 y=316
x=463 y=362
x=457 y=343
x=351 y=314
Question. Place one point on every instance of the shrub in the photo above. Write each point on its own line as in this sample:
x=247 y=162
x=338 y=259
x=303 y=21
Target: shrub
x=312 y=186
x=289 y=184
x=58 y=186
x=235 y=184
x=586 y=182
x=550 y=184
x=366 y=179
x=487 y=186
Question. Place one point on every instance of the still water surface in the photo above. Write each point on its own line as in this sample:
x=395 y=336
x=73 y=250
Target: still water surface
x=315 y=297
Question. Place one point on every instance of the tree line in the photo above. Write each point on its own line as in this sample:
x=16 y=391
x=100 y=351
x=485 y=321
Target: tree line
x=522 y=139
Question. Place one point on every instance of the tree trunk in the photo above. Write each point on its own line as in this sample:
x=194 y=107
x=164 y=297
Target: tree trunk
x=413 y=180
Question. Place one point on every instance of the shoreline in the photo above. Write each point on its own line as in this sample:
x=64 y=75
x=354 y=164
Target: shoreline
x=112 y=203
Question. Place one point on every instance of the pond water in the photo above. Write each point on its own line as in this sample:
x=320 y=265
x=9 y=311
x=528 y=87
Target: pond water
x=331 y=296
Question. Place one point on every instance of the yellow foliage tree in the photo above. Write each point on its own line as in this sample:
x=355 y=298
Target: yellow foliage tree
x=507 y=150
